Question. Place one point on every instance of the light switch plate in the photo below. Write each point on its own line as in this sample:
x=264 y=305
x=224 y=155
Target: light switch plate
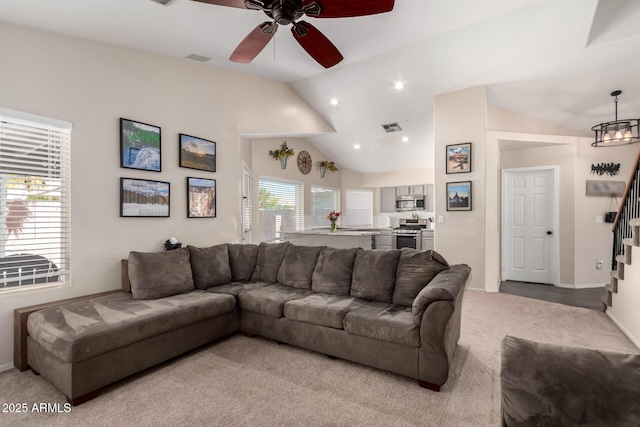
x=441 y=219
x=598 y=219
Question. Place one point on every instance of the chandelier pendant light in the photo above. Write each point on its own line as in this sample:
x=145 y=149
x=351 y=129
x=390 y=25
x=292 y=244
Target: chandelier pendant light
x=618 y=132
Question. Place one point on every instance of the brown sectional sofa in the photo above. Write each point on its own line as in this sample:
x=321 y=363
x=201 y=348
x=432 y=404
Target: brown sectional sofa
x=394 y=310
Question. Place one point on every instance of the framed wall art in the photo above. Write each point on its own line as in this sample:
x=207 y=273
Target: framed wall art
x=201 y=198
x=144 y=198
x=139 y=146
x=459 y=196
x=459 y=158
x=197 y=153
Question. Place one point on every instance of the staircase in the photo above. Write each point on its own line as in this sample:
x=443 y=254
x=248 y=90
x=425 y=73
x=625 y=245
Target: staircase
x=622 y=259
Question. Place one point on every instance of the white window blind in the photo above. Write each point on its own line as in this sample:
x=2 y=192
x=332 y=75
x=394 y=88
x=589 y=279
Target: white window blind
x=359 y=208
x=247 y=200
x=323 y=201
x=280 y=209
x=34 y=201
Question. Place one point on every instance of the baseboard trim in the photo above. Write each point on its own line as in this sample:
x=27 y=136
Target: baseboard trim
x=623 y=329
x=6 y=367
x=585 y=286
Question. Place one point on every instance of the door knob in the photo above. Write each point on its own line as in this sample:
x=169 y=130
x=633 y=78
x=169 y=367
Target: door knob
x=549 y=232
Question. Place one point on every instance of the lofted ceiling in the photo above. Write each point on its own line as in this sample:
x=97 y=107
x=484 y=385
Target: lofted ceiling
x=551 y=60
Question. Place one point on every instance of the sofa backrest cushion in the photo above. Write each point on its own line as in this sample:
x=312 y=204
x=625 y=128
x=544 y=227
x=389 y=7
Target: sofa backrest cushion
x=415 y=270
x=270 y=257
x=160 y=274
x=297 y=266
x=242 y=260
x=210 y=266
x=334 y=271
x=374 y=274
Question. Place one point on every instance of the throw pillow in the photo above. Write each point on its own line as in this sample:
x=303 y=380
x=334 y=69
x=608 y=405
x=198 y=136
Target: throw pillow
x=298 y=265
x=242 y=260
x=334 y=271
x=160 y=274
x=210 y=266
x=374 y=274
x=270 y=257
x=415 y=270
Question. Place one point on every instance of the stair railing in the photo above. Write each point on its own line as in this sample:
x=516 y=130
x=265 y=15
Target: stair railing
x=629 y=209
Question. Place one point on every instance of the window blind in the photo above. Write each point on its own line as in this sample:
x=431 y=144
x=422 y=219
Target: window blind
x=247 y=200
x=359 y=208
x=281 y=207
x=34 y=201
x=323 y=201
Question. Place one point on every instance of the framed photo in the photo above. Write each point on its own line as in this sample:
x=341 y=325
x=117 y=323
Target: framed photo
x=459 y=196
x=201 y=198
x=459 y=158
x=139 y=146
x=144 y=198
x=197 y=153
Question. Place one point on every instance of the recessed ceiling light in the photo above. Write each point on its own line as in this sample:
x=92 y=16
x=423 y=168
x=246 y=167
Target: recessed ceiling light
x=334 y=101
x=405 y=139
x=399 y=85
x=356 y=146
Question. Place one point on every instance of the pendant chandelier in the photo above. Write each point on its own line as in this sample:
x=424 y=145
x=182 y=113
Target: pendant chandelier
x=618 y=132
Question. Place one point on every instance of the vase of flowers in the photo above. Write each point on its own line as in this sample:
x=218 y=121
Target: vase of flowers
x=333 y=217
x=282 y=154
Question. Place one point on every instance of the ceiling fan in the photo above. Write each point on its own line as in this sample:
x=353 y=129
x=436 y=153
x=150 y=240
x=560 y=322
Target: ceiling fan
x=285 y=12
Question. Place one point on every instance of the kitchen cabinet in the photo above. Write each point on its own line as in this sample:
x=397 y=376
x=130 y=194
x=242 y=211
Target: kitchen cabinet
x=427 y=240
x=417 y=189
x=388 y=199
x=403 y=190
x=383 y=240
x=428 y=198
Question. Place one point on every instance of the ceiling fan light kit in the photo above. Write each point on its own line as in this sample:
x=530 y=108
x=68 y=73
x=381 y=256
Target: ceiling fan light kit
x=617 y=132
x=285 y=12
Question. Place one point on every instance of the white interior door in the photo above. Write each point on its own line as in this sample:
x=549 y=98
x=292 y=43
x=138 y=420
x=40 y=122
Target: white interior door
x=529 y=225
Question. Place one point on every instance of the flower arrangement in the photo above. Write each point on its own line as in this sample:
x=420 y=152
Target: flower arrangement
x=282 y=154
x=333 y=217
x=326 y=165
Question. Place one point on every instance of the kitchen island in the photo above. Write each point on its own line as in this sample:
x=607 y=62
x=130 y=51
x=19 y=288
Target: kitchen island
x=341 y=238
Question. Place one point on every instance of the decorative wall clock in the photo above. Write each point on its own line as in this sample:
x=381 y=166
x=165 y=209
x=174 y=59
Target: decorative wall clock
x=304 y=162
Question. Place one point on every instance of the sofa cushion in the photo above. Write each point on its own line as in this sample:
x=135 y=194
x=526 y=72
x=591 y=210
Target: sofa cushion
x=334 y=271
x=242 y=260
x=81 y=330
x=374 y=275
x=270 y=257
x=297 y=266
x=322 y=309
x=269 y=300
x=415 y=271
x=237 y=288
x=160 y=274
x=210 y=266
x=384 y=322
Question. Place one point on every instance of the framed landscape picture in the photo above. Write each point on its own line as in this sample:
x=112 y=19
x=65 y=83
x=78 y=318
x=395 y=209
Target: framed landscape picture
x=197 y=153
x=459 y=158
x=144 y=198
x=201 y=198
x=139 y=146
x=459 y=196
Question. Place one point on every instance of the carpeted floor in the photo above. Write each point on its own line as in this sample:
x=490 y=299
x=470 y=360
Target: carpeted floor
x=244 y=381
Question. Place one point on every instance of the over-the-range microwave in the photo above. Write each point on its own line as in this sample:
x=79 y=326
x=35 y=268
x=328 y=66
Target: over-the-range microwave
x=412 y=202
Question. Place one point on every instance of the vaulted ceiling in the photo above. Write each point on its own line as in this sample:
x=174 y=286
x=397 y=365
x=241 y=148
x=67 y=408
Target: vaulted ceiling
x=552 y=60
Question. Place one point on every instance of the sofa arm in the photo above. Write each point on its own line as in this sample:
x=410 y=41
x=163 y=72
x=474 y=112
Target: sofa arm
x=446 y=286
x=546 y=384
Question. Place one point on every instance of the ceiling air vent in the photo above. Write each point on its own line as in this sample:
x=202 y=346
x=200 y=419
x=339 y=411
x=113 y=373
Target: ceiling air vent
x=163 y=2
x=391 y=127
x=198 y=58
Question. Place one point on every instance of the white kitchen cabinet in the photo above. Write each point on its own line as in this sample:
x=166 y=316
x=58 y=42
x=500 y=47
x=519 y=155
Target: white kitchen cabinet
x=388 y=199
x=403 y=190
x=427 y=240
x=384 y=240
x=417 y=189
x=429 y=201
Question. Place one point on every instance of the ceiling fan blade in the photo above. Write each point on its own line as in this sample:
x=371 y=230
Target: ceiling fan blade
x=316 y=44
x=229 y=3
x=345 y=8
x=253 y=44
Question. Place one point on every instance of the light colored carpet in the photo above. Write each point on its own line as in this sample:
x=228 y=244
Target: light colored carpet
x=244 y=381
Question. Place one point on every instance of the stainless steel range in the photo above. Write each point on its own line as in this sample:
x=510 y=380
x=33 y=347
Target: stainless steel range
x=409 y=233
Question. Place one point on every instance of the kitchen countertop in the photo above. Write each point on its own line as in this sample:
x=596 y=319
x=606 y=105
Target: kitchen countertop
x=338 y=232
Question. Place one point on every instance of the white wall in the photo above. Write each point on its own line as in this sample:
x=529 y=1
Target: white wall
x=461 y=117
x=92 y=85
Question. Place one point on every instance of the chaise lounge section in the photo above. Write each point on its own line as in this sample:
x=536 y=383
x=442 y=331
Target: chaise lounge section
x=397 y=310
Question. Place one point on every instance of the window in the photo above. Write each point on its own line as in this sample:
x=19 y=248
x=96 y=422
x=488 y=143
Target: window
x=34 y=200
x=359 y=208
x=323 y=201
x=247 y=198
x=280 y=209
